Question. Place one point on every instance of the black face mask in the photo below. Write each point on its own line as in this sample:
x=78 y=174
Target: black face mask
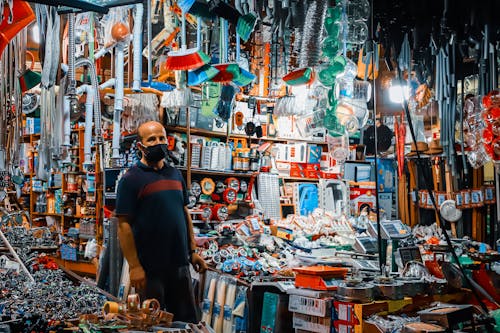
x=155 y=153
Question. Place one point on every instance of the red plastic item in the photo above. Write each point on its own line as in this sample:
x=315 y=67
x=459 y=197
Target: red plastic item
x=434 y=267
x=23 y=15
x=323 y=271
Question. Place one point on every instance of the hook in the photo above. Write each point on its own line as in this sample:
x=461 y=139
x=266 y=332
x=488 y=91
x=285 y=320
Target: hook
x=1 y=11
x=11 y=11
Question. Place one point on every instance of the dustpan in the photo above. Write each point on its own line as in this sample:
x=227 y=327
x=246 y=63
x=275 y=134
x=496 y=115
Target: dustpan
x=299 y=77
x=244 y=78
x=29 y=78
x=22 y=16
x=246 y=25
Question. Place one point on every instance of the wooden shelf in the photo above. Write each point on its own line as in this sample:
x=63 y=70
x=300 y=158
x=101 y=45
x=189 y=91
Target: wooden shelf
x=46 y=214
x=87 y=268
x=203 y=132
x=300 y=179
x=217 y=172
x=80 y=216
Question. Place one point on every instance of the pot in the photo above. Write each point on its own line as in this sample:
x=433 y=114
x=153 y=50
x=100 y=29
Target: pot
x=388 y=288
x=355 y=291
x=412 y=287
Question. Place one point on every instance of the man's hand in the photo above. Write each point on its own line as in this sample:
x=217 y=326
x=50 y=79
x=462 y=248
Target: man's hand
x=198 y=263
x=137 y=277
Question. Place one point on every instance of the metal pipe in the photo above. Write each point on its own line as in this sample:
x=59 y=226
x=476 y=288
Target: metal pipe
x=150 y=37
x=137 y=44
x=71 y=59
x=66 y=130
x=118 y=108
x=87 y=153
x=97 y=103
x=113 y=256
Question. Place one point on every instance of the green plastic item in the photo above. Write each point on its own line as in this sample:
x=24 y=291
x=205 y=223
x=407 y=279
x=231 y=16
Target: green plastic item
x=269 y=309
x=299 y=77
x=496 y=316
x=335 y=12
x=325 y=77
x=210 y=102
x=465 y=260
x=246 y=25
x=333 y=126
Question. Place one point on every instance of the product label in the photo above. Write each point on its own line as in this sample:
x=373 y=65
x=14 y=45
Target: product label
x=205 y=306
x=217 y=310
x=228 y=312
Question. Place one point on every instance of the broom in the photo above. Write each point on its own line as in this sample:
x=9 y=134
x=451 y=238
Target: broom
x=185 y=59
x=204 y=73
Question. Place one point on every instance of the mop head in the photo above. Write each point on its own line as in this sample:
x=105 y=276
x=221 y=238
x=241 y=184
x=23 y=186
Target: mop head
x=187 y=59
x=227 y=72
x=299 y=77
x=177 y=98
x=202 y=74
x=185 y=5
x=244 y=78
x=246 y=25
x=200 y=9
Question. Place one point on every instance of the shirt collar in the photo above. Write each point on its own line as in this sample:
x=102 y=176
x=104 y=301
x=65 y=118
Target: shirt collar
x=147 y=167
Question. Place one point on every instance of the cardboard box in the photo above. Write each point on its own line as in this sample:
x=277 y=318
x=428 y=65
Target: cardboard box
x=314 y=153
x=298 y=170
x=360 y=197
x=320 y=307
x=298 y=152
x=344 y=311
x=385 y=202
x=343 y=327
x=283 y=168
x=312 y=323
x=386 y=174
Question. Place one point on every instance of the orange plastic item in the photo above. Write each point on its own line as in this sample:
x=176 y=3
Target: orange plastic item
x=324 y=271
x=315 y=277
x=433 y=240
x=434 y=267
x=23 y=15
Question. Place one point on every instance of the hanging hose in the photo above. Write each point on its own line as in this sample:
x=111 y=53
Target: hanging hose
x=312 y=33
x=71 y=60
x=137 y=43
x=89 y=90
x=118 y=108
x=97 y=103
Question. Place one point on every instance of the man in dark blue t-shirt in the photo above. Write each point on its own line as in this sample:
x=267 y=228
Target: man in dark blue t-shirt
x=155 y=228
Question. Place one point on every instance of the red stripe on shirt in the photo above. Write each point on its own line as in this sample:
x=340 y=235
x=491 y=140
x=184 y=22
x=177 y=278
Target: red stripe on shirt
x=160 y=185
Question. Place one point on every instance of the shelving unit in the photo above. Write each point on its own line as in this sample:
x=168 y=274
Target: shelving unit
x=73 y=189
x=229 y=136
